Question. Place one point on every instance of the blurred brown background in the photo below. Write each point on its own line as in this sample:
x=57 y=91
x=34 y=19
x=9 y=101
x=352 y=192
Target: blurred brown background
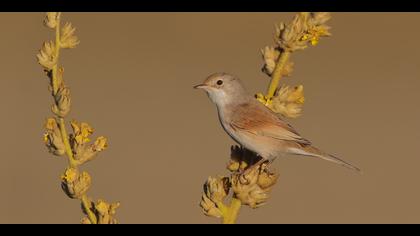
x=131 y=78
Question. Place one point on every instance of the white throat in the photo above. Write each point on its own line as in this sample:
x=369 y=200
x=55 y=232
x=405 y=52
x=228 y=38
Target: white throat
x=220 y=98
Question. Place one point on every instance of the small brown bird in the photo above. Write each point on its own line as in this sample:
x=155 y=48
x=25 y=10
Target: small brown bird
x=253 y=125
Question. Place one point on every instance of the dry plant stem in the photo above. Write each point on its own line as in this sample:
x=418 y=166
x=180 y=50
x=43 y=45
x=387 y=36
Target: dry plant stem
x=72 y=163
x=277 y=73
x=86 y=205
x=64 y=136
x=57 y=53
x=62 y=126
x=231 y=213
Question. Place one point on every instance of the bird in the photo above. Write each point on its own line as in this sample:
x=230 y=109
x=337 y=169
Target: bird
x=254 y=126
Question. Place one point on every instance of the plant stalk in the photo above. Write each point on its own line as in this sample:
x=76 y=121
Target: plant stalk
x=231 y=214
x=277 y=74
x=62 y=126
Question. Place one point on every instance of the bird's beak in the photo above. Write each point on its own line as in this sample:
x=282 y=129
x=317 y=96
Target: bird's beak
x=200 y=86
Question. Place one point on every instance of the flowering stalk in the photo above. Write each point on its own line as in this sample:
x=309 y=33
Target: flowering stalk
x=64 y=136
x=277 y=74
x=231 y=213
x=251 y=181
x=75 y=146
x=305 y=29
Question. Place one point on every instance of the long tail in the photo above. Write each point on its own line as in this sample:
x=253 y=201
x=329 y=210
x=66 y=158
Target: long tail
x=309 y=150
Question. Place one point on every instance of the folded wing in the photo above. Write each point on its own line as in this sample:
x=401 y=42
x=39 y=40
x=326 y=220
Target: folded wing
x=253 y=117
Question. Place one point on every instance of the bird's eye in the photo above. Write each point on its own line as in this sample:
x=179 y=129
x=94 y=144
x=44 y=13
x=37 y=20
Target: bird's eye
x=219 y=82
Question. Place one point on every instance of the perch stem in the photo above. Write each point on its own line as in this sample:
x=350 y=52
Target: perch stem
x=231 y=213
x=277 y=74
x=87 y=206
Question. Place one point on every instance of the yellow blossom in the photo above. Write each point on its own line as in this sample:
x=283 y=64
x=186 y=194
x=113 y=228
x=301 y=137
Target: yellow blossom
x=69 y=175
x=62 y=102
x=50 y=124
x=209 y=207
x=316 y=33
x=52 y=19
x=263 y=99
x=81 y=132
x=288 y=101
x=270 y=56
x=255 y=191
x=102 y=206
x=68 y=39
x=75 y=184
x=105 y=212
x=45 y=137
x=100 y=144
x=47 y=55
x=306 y=28
x=296 y=95
x=215 y=191
x=52 y=138
x=81 y=151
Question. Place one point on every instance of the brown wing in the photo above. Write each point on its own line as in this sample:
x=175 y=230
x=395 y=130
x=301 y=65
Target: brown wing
x=255 y=118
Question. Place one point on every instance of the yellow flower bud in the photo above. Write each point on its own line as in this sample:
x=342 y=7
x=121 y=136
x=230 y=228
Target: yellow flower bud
x=314 y=41
x=215 y=191
x=83 y=152
x=100 y=144
x=46 y=56
x=105 y=212
x=68 y=39
x=209 y=207
x=51 y=124
x=270 y=56
x=102 y=207
x=266 y=178
x=75 y=184
x=52 y=19
x=81 y=132
x=288 y=102
x=296 y=95
x=233 y=165
x=260 y=97
x=62 y=102
x=303 y=30
x=217 y=188
x=253 y=186
x=52 y=138
x=243 y=165
x=59 y=77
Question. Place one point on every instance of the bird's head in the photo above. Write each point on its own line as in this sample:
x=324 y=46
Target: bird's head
x=223 y=88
